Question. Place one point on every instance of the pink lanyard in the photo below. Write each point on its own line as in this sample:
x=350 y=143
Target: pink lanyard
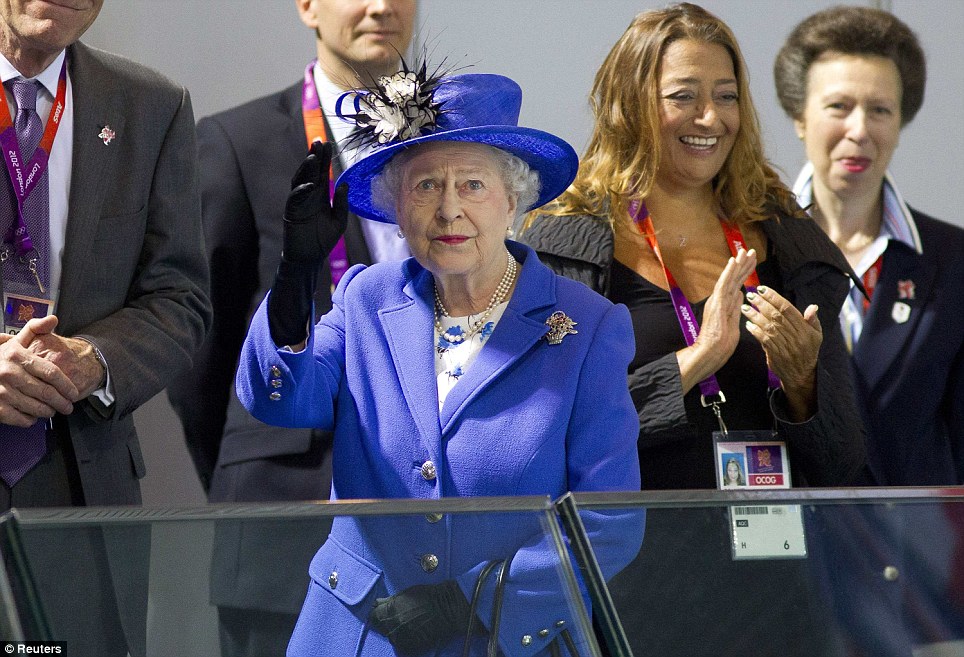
x=710 y=386
x=24 y=176
x=315 y=131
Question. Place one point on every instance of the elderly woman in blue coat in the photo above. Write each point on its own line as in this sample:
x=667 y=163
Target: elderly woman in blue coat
x=470 y=369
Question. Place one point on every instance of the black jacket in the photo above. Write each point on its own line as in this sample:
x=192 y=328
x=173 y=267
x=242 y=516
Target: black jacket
x=828 y=449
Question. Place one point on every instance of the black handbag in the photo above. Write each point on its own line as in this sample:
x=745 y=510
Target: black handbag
x=492 y=646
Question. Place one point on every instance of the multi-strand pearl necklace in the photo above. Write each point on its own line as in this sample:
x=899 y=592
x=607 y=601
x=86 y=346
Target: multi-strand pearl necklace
x=508 y=278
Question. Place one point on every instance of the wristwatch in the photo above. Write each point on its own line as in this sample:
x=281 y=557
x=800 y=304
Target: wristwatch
x=100 y=359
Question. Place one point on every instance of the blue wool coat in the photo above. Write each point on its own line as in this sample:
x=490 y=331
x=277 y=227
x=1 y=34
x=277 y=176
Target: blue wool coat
x=527 y=418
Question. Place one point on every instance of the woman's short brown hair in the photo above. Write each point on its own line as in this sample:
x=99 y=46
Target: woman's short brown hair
x=850 y=31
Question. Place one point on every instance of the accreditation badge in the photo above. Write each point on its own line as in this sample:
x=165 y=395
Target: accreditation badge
x=757 y=460
x=18 y=309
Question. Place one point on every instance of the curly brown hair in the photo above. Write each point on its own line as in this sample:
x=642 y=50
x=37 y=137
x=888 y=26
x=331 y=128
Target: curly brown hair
x=850 y=31
x=623 y=155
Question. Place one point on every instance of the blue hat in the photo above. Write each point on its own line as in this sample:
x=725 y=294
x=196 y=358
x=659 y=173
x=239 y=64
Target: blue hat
x=406 y=110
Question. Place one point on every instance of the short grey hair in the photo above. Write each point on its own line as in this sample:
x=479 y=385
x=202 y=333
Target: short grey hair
x=519 y=179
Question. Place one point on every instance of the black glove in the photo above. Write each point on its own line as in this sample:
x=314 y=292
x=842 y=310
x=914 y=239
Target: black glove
x=421 y=617
x=312 y=226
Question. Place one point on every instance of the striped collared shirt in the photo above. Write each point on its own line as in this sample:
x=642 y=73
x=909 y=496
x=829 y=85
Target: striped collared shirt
x=897 y=224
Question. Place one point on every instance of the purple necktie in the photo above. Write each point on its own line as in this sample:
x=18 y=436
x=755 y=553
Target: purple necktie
x=22 y=449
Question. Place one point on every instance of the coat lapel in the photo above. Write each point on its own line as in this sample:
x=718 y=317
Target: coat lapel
x=96 y=103
x=883 y=337
x=295 y=140
x=522 y=326
x=405 y=328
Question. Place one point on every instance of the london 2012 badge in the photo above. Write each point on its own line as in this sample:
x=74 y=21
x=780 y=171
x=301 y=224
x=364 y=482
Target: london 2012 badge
x=749 y=461
x=18 y=309
x=756 y=460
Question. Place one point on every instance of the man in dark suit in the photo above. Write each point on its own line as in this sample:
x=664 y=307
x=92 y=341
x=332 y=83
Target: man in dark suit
x=247 y=158
x=121 y=286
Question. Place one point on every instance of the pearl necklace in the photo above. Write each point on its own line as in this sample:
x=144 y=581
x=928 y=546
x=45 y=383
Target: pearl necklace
x=508 y=278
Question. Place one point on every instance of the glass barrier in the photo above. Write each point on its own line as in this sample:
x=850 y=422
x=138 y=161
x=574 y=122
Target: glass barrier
x=848 y=573
x=10 y=627
x=175 y=581
x=836 y=573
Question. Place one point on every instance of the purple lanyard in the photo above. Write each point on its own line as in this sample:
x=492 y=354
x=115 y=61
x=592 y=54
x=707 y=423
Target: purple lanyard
x=710 y=386
x=24 y=176
x=315 y=131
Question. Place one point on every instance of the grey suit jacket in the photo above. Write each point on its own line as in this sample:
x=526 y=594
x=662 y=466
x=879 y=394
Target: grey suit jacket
x=134 y=282
x=134 y=278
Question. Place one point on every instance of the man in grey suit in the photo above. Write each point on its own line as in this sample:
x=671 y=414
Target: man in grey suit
x=248 y=155
x=125 y=302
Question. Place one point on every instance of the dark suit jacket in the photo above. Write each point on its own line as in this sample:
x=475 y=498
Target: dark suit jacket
x=828 y=449
x=134 y=282
x=248 y=155
x=910 y=375
x=134 y=278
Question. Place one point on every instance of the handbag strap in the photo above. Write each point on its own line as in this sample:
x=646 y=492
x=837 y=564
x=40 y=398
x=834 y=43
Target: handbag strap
x=474 y=604
x=570 y=644
x=493 y=648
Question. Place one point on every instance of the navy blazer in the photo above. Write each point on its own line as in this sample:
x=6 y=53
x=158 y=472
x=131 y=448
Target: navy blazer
x=909 y=375
x=528 y=418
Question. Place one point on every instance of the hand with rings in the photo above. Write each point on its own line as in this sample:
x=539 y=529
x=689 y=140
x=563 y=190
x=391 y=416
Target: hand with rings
x=791 y=341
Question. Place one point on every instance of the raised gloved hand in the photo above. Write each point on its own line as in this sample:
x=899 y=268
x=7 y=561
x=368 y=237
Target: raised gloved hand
x=312 y=223
x=421 y=617
x=312 y=226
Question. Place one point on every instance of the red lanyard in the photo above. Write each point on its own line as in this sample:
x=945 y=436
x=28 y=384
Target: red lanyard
x=709 y=386
x=25 y=175
x=315 y=131
x=870 y=279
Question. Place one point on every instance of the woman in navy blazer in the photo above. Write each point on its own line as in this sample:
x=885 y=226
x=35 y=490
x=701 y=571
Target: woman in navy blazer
x=851 y=78
x=470 y=369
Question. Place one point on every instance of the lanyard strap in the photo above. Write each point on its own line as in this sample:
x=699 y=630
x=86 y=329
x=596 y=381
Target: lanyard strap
x=735 y=239
x=315 y=130
x=25 y=175
x=870 y=279
x=710 y=386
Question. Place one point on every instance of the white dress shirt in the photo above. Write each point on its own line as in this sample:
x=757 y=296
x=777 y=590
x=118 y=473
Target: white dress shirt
x=61 y=156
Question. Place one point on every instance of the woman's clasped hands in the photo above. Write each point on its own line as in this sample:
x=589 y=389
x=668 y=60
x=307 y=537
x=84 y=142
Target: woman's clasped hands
x=791 y=341
x=720 y=329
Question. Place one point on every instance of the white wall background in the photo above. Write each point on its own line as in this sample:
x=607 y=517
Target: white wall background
x=229 y=51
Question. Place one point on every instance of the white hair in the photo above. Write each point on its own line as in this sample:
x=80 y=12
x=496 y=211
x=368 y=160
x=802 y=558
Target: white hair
x=519 y=179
